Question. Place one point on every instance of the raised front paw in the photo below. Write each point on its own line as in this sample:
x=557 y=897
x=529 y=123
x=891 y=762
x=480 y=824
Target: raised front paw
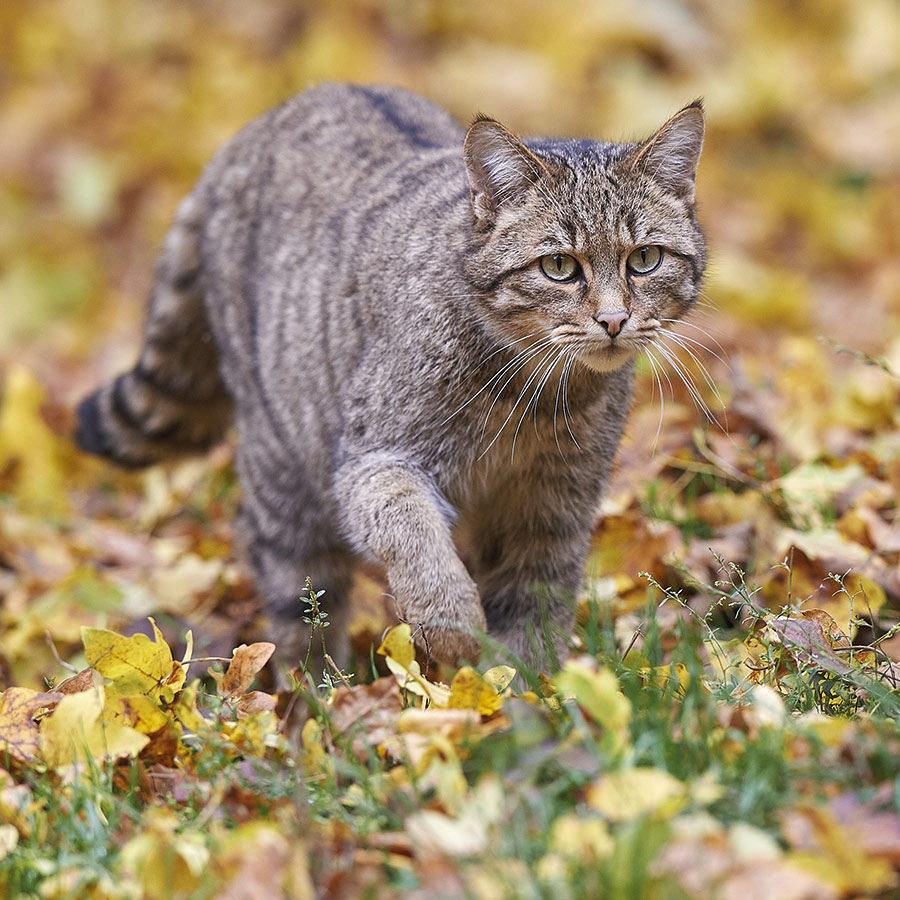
x=451 y=645
x=448 y=627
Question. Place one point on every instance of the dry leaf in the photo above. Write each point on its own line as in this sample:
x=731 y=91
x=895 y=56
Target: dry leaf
x=244 y=667
x=19 y=733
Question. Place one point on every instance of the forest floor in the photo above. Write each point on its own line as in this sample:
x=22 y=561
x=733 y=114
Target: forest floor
x=727 y=723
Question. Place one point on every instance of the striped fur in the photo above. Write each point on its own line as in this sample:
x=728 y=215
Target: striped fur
x=360 y=280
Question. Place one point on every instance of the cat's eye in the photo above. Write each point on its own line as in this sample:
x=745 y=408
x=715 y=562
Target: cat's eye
x=644 y=260
x=559 y=266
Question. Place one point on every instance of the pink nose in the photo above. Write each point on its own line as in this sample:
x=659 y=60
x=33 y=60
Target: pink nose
x=612 y=321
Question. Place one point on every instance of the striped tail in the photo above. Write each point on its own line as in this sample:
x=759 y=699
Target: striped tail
x=173 y=402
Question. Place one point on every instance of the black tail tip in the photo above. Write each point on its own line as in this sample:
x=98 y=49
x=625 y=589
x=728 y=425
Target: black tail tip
x=90 y=434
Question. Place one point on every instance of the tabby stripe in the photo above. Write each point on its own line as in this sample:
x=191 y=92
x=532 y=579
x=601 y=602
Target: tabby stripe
x=150 y=378
x=490 y=288
x=122 y=408
x=186 y=280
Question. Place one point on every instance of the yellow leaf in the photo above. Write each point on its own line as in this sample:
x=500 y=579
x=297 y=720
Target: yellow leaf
x=134 y=665
x=400 y=655
x=499 y=677
x=597 y=692
x=186 y=711
x=469 y=690
x=637 y=792
x=315 y=758
x=251 y=734
x=74 y=732
x=137 y=711
x=166 y=863
x=585 y=840
x=19 y=734
x=188 y=651
x=29 y=449
x=398 y=645
x=660 y=676
x=834 y=853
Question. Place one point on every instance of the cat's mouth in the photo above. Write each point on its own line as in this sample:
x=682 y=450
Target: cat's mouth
x=604 y=356
x=601 y=353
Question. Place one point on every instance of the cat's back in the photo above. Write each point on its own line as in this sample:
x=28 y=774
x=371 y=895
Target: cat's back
x=332 y=135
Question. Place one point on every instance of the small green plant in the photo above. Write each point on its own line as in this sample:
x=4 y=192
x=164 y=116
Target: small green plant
x=316 y=616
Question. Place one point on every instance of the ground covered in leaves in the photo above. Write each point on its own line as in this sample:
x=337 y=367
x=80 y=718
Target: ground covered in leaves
x=727 y=723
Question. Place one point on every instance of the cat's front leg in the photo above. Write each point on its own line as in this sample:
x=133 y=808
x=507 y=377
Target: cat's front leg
x=394 y=512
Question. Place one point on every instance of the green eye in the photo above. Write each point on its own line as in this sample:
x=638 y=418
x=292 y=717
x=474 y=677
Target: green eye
x=644 y=260
x=559 y=266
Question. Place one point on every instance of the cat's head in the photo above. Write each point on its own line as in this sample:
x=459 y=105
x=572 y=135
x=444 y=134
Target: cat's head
x=590 y=245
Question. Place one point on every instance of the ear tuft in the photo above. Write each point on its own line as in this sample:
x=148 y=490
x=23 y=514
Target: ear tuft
x=501 y=168
x=670 y=157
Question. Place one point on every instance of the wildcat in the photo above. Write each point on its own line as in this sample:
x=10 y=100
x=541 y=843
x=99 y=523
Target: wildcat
x=426 y=338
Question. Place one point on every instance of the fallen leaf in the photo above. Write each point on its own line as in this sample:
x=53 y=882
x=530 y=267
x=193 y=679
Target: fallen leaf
x=74 y=733
x=367 y=713
x=134 y=665
x=19 y=733
x=597 y=692
x=469 y=690
x=635 y=792
x=245 y=664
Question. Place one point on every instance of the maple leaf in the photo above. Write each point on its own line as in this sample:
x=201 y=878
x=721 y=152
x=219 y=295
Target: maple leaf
x=134 y=665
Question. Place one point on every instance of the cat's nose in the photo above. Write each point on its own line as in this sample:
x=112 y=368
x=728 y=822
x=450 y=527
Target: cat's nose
x=611 y=321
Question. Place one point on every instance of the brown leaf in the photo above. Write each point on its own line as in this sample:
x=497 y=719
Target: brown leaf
x=82 y=681
x=19 y=733
x=808 y=643
x=368 y=712
x=255 y=702
x=244 y=666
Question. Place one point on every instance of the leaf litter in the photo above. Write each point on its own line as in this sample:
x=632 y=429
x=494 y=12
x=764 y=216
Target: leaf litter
x=726 y=725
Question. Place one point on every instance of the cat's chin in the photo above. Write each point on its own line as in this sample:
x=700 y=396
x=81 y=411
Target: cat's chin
x=605 y=360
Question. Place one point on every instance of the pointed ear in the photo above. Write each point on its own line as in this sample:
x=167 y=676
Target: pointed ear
x=670 y=157
x=501 y=168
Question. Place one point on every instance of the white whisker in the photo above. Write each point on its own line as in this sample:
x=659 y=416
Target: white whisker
x=703 y=371
x=565 y=402
x=528 y=382
x=522 y=356
x=534 y=400
x=687 y=380
x=662 y=400
x=699 y=344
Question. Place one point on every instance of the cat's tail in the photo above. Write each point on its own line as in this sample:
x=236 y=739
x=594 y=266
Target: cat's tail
x=173 y=402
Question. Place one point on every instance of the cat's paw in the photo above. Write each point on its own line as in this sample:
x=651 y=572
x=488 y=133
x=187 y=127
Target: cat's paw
x=453 y=646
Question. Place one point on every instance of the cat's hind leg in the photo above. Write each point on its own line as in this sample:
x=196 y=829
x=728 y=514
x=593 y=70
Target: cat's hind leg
x=287 y=529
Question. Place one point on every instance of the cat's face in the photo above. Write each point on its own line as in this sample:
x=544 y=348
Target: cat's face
x=592 y=248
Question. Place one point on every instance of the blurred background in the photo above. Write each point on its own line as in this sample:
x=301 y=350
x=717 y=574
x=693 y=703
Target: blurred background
x=109 y=110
